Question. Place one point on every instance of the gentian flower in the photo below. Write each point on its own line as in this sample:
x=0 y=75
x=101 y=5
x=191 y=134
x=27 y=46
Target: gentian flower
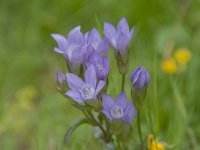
x=101 y=65
x=60 y=80
x=72 y=48
x=119 y=109
x=82 y=91
x=140 y=80
x=96 y=43
x=119 y=37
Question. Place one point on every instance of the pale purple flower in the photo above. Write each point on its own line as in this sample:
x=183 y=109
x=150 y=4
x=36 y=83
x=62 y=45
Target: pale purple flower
x=119 y=109
x=73 y=47
x=140 y=79
x=60 y=80
x=60 y=77
x=96 y=43
x=101 y=65
x=82 y=91
x=119 y=37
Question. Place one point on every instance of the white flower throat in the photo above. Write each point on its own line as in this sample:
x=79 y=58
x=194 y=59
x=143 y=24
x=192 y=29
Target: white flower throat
x=117 y=112
x=87 y=91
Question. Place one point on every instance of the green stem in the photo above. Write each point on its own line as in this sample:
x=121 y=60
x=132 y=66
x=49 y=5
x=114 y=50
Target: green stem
x=183 y=111
x=139 y=128
x=123 y=81
x=100 y=126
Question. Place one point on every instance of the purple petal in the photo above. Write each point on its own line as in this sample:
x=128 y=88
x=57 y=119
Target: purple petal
x=94 y=38
x=121 y=100
x=76 y=55
x=110 y=33
x=107 y=114
x=100 y=86
x=95 y=58
x=74 y=82
x=123 y=25
x=122 y=41
x=75 y=96
x=131 y=33
x=106 y=64
x=62 y=43
x=60 y=77
x=86 y=37
x=107 y=101
x=75 y=36
x=103 y=47
x=129 y=113
x=90 y=75
x=135 y=75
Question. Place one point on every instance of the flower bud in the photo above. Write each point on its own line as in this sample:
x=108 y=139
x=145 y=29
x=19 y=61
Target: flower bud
x=140 y=81
x=60 y=81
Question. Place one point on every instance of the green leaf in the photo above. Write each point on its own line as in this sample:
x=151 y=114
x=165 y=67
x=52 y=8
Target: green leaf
x=73 y=127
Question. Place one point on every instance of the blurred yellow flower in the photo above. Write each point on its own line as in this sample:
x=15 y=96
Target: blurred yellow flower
x=169 y=66
x=182 y=55
x=153 y=145
x=25 y=96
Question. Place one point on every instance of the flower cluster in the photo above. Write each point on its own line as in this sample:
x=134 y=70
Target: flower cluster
x=87 y=79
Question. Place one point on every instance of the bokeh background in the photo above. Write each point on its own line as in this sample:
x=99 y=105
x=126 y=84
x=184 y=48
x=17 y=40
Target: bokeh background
x=33 y=115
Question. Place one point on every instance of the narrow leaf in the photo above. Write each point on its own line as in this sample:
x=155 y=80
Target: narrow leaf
x=73 y=127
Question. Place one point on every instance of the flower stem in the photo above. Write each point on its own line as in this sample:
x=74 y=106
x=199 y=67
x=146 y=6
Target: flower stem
x=139 y=128
x=106 y=137
x=123 y=81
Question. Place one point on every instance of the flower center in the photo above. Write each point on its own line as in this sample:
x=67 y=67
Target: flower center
x=117 y=112
x=87 y=91
x=100 y=68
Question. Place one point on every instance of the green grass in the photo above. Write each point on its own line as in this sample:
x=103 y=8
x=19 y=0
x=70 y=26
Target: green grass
x=27 y=59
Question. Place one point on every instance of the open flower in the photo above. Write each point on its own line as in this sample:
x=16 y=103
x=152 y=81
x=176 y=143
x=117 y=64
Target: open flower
x=119 y=109
x=82 y=91
x=119 y=37
x=182 y=56
x=154 y=145
x=101 y=65
x=96 y=43
x=73 y=48
x=169 y=66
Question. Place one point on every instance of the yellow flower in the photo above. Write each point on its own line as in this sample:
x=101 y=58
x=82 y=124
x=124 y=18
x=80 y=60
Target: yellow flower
x=25 y=97
x=169 y=66
x=182 y=55
x=154 y=145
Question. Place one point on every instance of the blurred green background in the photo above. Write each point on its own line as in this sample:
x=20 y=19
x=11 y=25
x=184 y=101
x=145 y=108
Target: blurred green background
x=33 y=115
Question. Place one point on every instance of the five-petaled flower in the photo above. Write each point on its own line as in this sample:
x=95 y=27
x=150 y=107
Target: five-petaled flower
x=96 y=43
x=119 y=109
x=101 y=65
x=82 y=91
x=119 y=37
x=73 y=48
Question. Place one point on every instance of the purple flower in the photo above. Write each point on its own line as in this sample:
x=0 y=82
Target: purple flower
x=73 y=48
x=60 y=80
x=96 y=43
x=119 y=109
x=140 y=78
x=82 y=91
x=101 y=65
x=60 y=77
x=119 y=37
